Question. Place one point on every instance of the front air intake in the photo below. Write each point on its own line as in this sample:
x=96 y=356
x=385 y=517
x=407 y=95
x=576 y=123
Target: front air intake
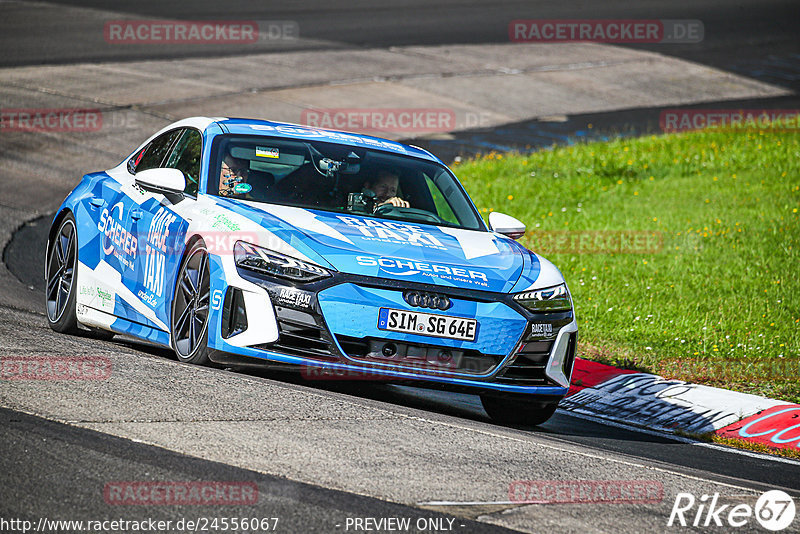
x=569 y=357
x=300 y=334
x=527 y=367
x=234 y=313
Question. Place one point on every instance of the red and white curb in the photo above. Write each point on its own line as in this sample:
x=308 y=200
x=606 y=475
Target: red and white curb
x=657 y=403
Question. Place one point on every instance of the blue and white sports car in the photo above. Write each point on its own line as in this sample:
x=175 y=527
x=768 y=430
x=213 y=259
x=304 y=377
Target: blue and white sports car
x=240 y=241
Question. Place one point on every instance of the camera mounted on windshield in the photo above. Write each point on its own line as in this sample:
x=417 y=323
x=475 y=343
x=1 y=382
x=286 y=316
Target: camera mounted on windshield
x=363 y=202
x=332 y=169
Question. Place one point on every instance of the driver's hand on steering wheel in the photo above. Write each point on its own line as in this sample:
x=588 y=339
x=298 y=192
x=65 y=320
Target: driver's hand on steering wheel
x=396 y=202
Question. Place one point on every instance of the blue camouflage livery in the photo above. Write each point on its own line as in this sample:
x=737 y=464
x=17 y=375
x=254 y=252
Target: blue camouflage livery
x=405 y=297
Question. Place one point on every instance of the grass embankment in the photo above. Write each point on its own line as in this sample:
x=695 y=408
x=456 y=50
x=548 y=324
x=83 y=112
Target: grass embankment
x=705 y=284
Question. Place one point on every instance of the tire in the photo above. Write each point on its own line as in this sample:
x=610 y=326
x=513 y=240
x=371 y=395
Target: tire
x=518 y=410
x=190 y=306
x=61 y=276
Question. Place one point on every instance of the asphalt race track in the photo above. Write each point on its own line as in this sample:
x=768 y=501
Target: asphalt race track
x=322 y=454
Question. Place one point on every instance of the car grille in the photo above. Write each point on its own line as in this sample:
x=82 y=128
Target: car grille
x=464 y=361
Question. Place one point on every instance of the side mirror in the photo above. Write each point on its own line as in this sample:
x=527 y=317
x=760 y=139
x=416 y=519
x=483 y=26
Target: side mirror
x=166 y=181
x=506 y=225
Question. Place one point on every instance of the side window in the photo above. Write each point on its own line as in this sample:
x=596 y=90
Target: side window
x=186 y=158
x=154 y=153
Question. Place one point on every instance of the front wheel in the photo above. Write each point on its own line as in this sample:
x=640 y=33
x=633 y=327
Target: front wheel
x=189 y=316
x=518 y=410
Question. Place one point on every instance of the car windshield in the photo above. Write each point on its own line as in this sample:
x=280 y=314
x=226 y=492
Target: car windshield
x=344 y=179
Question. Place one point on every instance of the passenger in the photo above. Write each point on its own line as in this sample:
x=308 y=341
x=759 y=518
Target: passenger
x=234 y=171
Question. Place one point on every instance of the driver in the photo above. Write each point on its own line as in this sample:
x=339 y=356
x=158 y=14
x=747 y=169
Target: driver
x=384 y=185
x=234 y=171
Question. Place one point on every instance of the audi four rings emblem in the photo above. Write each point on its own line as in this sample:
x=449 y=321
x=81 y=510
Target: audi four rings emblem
x=421 y=299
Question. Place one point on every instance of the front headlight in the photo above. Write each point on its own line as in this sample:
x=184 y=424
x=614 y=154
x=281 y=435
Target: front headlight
x=555 y=298
x=273 y=263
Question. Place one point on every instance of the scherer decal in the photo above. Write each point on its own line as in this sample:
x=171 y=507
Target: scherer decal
x=156 y=250
x=400 y=267
x=216 y=299
x=118 y=240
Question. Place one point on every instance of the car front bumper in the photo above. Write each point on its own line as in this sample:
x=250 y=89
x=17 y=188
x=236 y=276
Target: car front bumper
x=330 y=329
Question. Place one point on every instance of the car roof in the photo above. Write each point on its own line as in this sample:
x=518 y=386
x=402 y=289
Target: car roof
x=309 y=133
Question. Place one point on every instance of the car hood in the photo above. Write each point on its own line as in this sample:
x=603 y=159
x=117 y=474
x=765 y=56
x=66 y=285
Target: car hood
x=403 y=251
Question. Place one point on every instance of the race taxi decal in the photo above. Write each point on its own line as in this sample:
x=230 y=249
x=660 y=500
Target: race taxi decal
x=156 y=250
x=391 y=232
x=289 y=296
x=542 y=330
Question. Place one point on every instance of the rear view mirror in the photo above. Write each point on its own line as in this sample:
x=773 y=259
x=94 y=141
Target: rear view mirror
x=165 y=181
x=506 y=225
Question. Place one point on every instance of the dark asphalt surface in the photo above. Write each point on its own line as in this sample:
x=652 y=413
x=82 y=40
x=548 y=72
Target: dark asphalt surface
x=750 y=36
x=59 y=472
x=754 y=38
x=654 y=450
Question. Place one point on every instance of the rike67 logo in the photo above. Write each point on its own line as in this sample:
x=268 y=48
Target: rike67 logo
x=774 y=510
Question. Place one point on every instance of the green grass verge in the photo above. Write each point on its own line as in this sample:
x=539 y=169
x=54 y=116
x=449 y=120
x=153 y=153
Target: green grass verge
x=706 y=287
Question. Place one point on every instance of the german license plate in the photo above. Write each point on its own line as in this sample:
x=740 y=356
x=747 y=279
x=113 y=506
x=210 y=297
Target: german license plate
x=427 y=324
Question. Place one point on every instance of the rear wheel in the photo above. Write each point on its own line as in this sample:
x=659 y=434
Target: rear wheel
x=518 y=410
x=61 y=276
x=62 y=280
x=189 y=317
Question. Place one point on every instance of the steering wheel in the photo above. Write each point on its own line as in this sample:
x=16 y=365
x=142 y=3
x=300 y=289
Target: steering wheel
x=410 y=213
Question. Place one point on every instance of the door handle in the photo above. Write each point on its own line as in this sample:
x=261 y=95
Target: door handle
x=97 y=202
x=136 y=214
